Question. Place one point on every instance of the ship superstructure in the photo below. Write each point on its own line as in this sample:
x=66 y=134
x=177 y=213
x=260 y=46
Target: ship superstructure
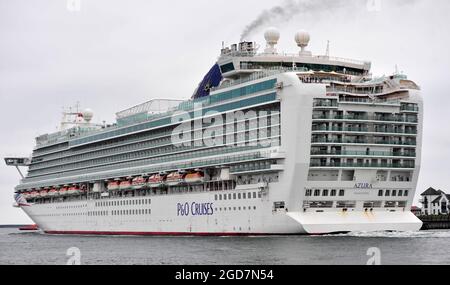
x=269 y=143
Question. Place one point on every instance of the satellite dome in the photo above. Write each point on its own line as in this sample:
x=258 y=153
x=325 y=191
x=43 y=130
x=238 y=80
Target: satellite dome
x=272 y=35
x=87 y=115
x=302 y=38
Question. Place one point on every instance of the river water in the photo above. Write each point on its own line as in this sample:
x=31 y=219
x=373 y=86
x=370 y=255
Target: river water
x=428 y=247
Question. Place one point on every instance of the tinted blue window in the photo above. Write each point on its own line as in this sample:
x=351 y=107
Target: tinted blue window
x=188 y=105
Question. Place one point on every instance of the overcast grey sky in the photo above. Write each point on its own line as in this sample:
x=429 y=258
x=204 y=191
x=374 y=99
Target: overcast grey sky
x=113 y=54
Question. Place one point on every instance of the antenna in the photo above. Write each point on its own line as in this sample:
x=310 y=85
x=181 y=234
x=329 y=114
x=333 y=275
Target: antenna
x=327 y=53
x=396 y=70
x=75 y=117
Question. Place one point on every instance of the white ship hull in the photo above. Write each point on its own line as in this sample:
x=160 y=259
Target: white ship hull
x=164 y=218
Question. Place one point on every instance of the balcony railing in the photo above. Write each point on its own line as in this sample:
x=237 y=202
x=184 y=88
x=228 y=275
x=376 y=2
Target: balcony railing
x=409 y=108
x=363 y=153
x=361 y=141
x=325 y=104
x=265 y=165
x=366 y=118
x=363 y=165
x=369 y=101
x=354 y=91
x=365 y=130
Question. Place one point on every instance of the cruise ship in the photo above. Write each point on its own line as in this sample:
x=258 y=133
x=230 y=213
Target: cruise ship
x=269 y=144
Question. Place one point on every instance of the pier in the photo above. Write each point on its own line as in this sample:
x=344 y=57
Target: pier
x=435 y=222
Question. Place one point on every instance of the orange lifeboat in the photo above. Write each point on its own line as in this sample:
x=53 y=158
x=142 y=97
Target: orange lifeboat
x=113 y=185
x=63 y=191
x=138 y=182
x=34 y=194
x=73 y=190
x=53 y=192
x=196 y=177
x=175 y=178
x=125 y=185
x=43 y=193
x=155 y=180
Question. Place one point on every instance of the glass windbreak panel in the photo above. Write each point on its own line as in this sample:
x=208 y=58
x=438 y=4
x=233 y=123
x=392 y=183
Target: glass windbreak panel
x=188 y=105
x=227 y=67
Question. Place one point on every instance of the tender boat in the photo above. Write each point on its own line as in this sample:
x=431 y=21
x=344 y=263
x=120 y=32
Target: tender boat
x=113 y=185
x=138 y=182
x=155 y=181
x=175 y=178
x=53 y=192
x=196 y=177
x=125 y=185
x=63 y=191
x=73 y=190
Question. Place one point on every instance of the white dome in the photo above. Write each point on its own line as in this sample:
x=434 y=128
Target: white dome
x=302 y=38
x=87 y=115
x=272 y=35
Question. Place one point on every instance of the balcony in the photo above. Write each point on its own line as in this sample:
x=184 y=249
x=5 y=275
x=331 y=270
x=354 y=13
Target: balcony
x=365 y=118
x=386 y=142
x=362 y=165
x=369 y=101
x=414 y=109
x=363 y=130
x=360 y=141
x=263 y=166
x=320 y=104
x=363 y=153
x=396 y=131
x=336 y=129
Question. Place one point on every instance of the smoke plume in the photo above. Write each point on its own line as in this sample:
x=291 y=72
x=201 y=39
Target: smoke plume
x=291 y=8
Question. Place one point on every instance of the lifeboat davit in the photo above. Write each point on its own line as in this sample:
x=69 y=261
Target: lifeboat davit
x=125 y=185
x=175 y=178
x=155 y=181
x=196 y=177
x=138 y=182
x=113 y=185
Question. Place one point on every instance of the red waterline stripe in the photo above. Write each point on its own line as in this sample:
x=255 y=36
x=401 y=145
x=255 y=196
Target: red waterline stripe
x=157 y=233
